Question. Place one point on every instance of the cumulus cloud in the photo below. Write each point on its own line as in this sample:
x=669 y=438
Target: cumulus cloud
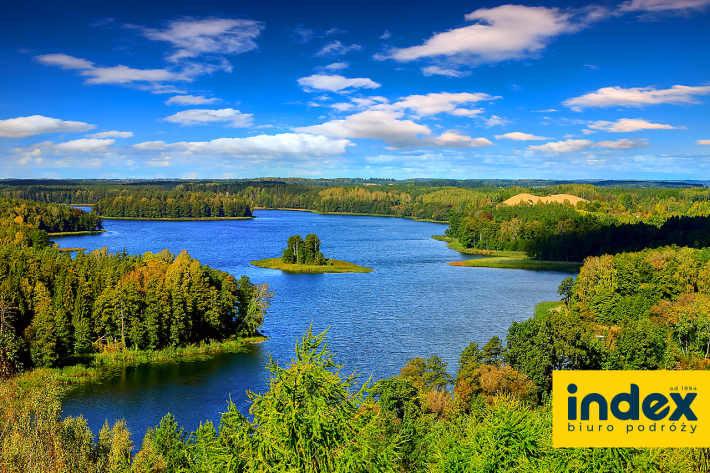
x=199 y=116
x=626 y=125
x=502 y=33
x=570 y=146
x=494 y=121
x=518 y=136
x=567 y=146
x=453 y=139
x=434 y=103
x=192 y=38
x=336 y=48
x=150 y=146
x=22 y=127
x=257 y=146
x=335 y=83
x=636 y=97
x=703 y=142
x=662 y=5
x=386 y=35
x=111 y=134
x=385 y=126
x=389 y=127
x=442 y=71
x=190 y=100
x=84 y=145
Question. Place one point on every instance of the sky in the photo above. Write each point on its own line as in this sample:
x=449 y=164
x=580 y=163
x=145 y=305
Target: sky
x=387 y=89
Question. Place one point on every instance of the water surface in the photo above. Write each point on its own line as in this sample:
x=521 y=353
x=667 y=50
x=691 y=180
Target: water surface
x=412 y=304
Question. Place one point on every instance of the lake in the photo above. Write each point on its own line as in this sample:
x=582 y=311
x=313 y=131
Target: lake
x=412 y=304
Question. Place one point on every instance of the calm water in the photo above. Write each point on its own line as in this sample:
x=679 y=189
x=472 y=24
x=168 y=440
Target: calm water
x=412 y=304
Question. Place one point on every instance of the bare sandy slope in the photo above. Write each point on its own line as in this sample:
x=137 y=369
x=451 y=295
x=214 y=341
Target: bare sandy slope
x=533 y=199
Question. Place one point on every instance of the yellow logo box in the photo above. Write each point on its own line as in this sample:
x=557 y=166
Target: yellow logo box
x=631 y=409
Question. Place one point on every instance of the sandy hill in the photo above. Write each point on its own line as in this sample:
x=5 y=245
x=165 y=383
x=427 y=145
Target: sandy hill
x=533 y=199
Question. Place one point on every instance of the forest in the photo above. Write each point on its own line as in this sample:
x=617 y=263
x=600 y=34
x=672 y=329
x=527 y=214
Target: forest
x=641 y=301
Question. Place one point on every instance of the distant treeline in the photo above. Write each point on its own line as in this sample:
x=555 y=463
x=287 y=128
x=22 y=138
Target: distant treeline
x=27 y=223
x=173 y=204
x=560 y=232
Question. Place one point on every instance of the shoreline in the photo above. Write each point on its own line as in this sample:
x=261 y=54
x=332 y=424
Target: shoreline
x=180 y=219
x=337 y=267
x=86 y=232
x=505 y=259
x=355 y=214
x=98 y=366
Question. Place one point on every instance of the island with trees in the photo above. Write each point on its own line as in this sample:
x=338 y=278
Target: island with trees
x=304 y=256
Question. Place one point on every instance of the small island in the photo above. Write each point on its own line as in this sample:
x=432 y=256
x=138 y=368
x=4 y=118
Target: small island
x=304 y=256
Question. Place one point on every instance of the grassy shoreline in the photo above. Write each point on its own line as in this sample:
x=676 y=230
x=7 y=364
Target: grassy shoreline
x=97 y=366
x=505 y=259
x=337 y=266
x=87 y=232
x=355 y=214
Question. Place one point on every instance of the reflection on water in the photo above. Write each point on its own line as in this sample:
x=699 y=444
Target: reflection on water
x=412 y=304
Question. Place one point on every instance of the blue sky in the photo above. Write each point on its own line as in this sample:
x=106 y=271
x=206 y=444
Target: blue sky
x=556 y=90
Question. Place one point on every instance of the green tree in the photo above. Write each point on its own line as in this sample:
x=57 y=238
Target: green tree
x=566 y=289
x=312 y=420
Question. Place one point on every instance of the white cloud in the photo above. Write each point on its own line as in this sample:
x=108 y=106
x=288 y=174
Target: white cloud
x=22 y=127
x=494 y=121
x=111 y=134
x=636 y=97
x=570 y=146
x=518 y=136
x=434 y=103
x=441 y=71
x=197 y=116
x=385 y=126
x=567 y=146
x=305 y=145
x=389 y=127
x=193 y=38
x=115 y=75
x=386 y=35
x=623 y=144
x=452 y=139
x=626 y=125
x=662 y=5
x=150 y=146
x=703 y=142
x=336 y=48
x=336 y=66
x=84 y=145
x=190 y=100
x=335 y=83
x=501 y=33
x=588 y=132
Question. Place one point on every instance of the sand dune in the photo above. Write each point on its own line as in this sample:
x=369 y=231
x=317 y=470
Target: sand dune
x=533 y=199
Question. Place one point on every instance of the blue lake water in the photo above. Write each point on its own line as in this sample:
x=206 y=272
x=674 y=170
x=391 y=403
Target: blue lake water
x=412 y=304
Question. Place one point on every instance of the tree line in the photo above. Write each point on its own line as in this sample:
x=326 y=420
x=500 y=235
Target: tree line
x=172 y=204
